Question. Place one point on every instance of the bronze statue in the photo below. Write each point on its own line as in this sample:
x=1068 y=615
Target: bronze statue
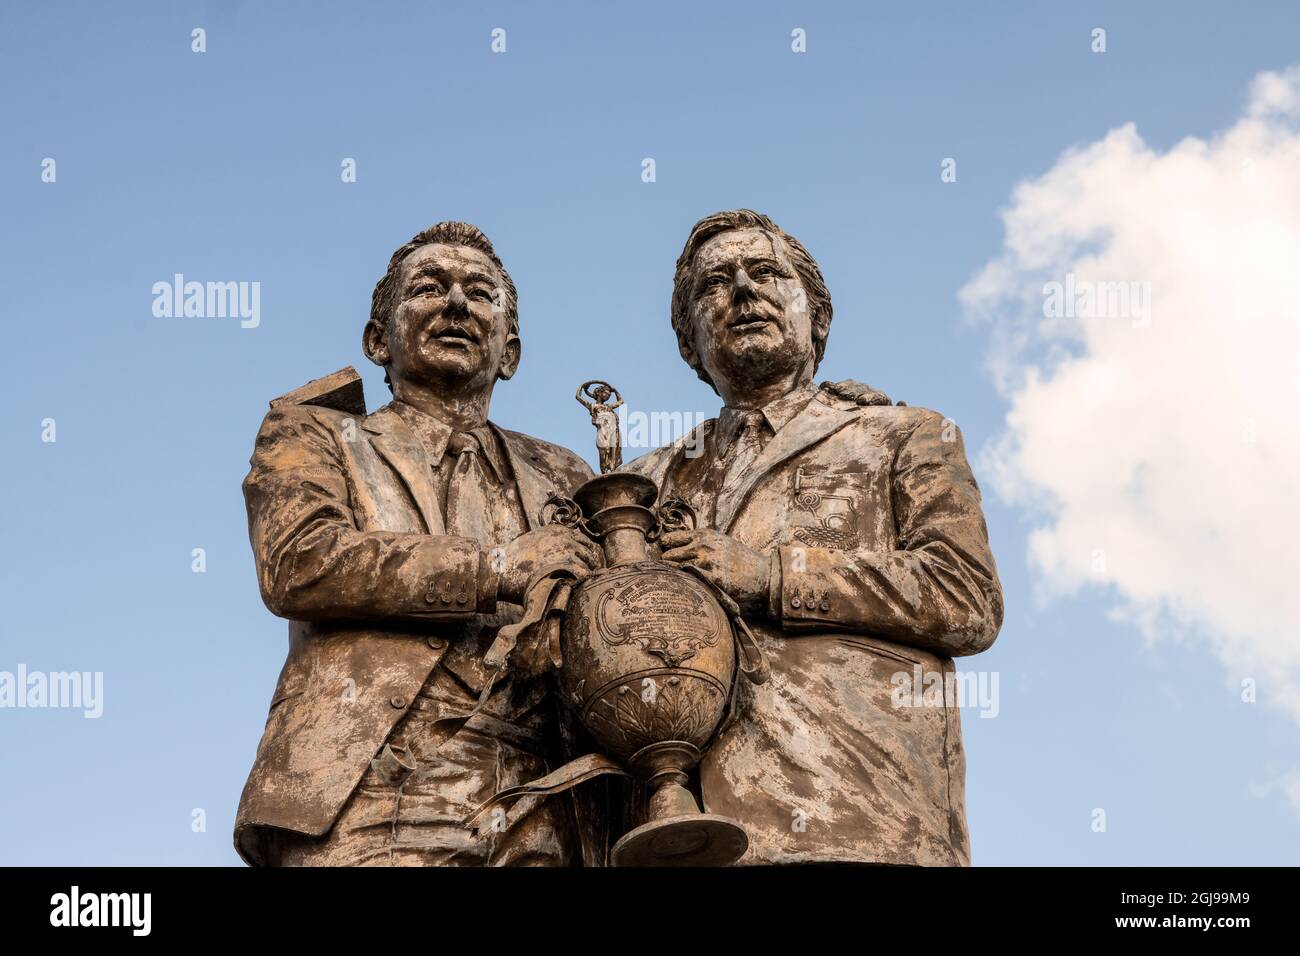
x=849 y=532
x=398 y=544
x=609 y=440
x=456 y=636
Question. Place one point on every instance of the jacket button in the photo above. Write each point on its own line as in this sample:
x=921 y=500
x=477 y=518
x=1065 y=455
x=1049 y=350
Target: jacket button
x=431 y=597
x=398 y=702
x=462 y=598
x=437 y=643
x=794 y=602
x=446 y=597
x=824 y=606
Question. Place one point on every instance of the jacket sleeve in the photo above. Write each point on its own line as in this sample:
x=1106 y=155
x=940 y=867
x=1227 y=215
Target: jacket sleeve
x=938 y=591
x=313 y=562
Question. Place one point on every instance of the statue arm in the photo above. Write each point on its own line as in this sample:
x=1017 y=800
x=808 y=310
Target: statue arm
x=581 y=398
x=938 y=591
x=312 y=561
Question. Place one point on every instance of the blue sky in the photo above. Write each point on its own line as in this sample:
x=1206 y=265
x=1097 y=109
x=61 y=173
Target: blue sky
x=225 y=166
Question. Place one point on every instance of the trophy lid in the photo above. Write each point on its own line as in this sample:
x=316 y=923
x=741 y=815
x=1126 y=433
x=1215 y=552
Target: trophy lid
x=613 y=490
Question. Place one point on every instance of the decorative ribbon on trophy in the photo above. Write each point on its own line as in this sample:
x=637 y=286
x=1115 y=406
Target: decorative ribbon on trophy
x=646 y=653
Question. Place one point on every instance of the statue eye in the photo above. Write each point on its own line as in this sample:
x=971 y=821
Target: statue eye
x=427 y=288
x=483 y=295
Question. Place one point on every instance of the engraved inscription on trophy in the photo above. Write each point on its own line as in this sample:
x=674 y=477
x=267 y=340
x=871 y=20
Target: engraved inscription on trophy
x=664 y=617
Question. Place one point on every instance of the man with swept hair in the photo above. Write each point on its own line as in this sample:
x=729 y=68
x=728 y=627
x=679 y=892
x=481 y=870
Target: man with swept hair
x=397 y=544
x=849 y=531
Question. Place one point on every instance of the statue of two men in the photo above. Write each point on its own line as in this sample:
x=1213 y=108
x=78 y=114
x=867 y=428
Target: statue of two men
x=847 y=529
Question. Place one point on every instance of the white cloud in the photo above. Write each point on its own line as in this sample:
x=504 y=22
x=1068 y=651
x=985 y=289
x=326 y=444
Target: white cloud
x=1161 y=457
x=1276 y=93
x=1285 y=783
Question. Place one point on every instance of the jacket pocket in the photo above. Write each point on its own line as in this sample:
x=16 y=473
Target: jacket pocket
x=883 y=649
x=827 y=507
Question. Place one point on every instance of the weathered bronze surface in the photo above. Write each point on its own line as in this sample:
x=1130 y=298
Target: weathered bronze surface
x=850 y=532
x=398 y=544
x=469 y=675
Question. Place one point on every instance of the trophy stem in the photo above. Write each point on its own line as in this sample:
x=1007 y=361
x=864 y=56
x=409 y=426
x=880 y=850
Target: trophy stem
x=670 y=798
x=676 y=833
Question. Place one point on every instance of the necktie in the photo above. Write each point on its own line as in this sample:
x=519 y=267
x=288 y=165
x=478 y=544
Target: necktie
x=744 y=448
x=468 y=513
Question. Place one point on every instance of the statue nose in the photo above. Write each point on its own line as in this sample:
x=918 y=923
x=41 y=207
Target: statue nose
x=456 y=299
x=743 y=283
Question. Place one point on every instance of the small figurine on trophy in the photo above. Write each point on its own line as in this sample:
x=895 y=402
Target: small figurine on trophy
x=609 y=440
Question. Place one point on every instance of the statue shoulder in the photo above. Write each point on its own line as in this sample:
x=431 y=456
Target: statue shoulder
x=899 y=416
x=341 y=391
x=315 y=413
x=855 y=393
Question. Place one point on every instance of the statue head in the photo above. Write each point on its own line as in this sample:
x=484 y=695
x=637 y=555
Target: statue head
x=601 y=393
x=749 y=305
x=444 y=316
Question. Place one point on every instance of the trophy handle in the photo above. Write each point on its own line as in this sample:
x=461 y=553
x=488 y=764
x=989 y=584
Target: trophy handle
x=674 y=514
x=565 y=511
x=751 y=660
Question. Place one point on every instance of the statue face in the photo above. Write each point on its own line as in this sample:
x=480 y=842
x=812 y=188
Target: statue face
x=447 y=328
x=748 y=310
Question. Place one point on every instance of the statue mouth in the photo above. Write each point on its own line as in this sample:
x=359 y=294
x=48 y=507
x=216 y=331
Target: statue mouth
x=454 y=335
x=749 y=322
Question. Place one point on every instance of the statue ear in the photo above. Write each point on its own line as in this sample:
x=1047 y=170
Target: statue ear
x=374 y=342
x=510 y=358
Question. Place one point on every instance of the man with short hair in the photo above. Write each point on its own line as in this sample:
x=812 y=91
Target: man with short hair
x=397 y=544
x=849 y=531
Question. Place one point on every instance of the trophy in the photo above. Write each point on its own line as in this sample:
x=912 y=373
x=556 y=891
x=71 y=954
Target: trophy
x=650 y=652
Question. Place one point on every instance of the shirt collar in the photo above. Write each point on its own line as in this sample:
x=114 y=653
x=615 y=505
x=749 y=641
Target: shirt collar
x=777 y=413
x=435 y=434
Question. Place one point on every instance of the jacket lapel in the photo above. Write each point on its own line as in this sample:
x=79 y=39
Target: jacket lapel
x=534 y=485
x=400 y=447
x=815 y=422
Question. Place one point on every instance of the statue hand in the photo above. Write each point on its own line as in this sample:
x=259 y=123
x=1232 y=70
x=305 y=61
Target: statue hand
x=552 y=546
x=732 y=567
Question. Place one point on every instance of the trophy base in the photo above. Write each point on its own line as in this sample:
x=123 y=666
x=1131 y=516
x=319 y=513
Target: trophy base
x=691 y=839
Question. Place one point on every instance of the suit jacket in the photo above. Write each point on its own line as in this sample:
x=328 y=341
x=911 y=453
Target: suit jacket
x=350 y=547
x=880 y=564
